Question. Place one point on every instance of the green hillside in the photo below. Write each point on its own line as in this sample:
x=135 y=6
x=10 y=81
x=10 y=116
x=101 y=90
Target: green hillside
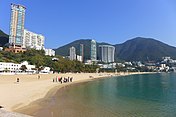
x=143 y=49
x=4 y=38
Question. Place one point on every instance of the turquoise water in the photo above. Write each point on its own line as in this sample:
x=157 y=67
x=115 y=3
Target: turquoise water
x=149 y=95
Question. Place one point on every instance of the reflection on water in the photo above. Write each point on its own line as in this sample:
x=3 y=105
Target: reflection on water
x=150 y=95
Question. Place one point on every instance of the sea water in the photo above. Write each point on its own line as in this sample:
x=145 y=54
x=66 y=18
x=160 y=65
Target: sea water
x=147 y=95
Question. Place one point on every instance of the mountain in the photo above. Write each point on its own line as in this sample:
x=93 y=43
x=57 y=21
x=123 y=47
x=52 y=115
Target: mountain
x=137 y=49
x=4 y=38
x=143 y=49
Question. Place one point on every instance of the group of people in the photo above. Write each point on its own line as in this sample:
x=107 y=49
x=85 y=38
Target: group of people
x=63 y=80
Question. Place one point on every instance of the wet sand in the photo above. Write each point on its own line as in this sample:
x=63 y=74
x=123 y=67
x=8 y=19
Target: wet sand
x=46 y=107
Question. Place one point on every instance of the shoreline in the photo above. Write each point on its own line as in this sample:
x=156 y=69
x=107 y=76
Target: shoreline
x=52 y=88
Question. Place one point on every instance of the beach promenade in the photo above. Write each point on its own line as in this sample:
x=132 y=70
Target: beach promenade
x=33 y=87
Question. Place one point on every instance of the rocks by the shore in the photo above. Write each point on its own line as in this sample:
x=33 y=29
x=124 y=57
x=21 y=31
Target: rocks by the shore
x=4 y=113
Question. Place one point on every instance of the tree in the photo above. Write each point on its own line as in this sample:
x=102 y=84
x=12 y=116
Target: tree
x=38 y=61
x=23 y=68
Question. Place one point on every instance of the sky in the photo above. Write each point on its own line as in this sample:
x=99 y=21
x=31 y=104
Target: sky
x=111 y=21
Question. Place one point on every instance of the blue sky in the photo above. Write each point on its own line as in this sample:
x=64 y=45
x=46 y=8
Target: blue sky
x=112 y=21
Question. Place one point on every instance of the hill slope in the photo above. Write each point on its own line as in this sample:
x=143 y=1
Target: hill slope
x=137 y=49
x=4 y=38
x=143 y=49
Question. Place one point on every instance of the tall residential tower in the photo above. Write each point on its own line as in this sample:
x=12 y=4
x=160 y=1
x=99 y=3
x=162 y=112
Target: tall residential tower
x=93 y=51
x=72 y=53
x=17 y=25
x=82 y=52
x=106 y=53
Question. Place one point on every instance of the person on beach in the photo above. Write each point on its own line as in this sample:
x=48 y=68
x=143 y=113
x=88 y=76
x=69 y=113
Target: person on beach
x=64 y=80
x=56 y=79
x=68 y=79
x=53 y=79
x=18 y=80
x=38 y=76
x=71 y=79
x=61 y=80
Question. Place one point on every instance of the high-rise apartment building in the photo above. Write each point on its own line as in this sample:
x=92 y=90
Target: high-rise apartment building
x=93 y=51
x=17 y=25
x=21 y=39
x=106 y=53
x=72 y=53
x=82 y=52
x=33 y=40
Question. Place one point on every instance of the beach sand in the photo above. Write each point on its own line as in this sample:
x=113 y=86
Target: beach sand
x=15 y=95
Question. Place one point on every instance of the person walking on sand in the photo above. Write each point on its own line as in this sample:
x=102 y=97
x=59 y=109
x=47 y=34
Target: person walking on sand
x=56 y=78
x=38 y=76
x=53 y=79
x=68 y=79
x=18 y=80
x=71 y=79
x=61 y=80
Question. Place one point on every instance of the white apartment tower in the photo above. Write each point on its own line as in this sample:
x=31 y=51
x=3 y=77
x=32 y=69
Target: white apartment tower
x=72 y=53
x=106 y=53
x=33 y=40
x=93 y=51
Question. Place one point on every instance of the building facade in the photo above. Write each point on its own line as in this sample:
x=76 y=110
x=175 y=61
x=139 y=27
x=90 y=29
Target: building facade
x=82 y=52
x=1 y=48
x=33 y=40
x=15 y=68
x=17 y=25
x=93 y=51
x=106 y=53
x=49 y=52
x=79 y=58
x=72 y=53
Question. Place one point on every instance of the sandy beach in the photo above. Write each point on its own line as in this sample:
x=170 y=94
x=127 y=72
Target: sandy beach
x=29 y=89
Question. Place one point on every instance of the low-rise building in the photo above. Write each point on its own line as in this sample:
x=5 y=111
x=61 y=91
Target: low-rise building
x=15 y=49
x=1 y=48
x=109 y=66
x=16 y=68
x=55 y=59
x=49 y=52
x=46 y=70
x=79 y=58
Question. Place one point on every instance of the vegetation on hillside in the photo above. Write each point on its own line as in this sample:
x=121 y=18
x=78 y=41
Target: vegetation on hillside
x=38 y=58
x=4 y=38
x=144 y=49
